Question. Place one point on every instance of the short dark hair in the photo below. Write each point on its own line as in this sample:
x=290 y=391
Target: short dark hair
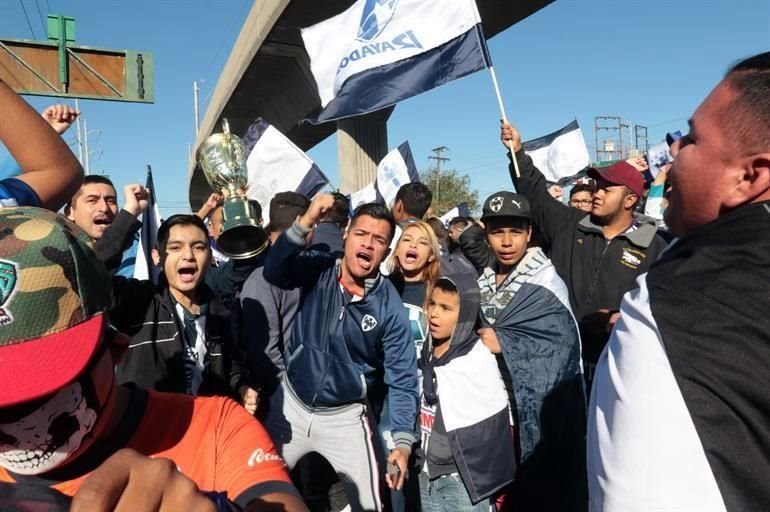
x=416 y=198
x=340 y=212
x=445 y=285
x=461 y=220
x=284 y=209
x=439 y=229
x=375 y=211
x=749 y=123
x=582 y=187
x=90 y=180
x=180 y=219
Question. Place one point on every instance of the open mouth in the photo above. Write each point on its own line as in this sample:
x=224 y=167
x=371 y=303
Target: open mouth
x=187 y=274
x=102 y=221
x=411 y=256
x=364 y=260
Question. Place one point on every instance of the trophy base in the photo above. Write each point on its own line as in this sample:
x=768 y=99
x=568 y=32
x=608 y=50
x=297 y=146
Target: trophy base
x=241 y=242
x=241 y=236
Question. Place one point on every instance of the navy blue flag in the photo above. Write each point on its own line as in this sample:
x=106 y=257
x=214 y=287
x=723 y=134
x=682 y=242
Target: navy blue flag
x=380 y=52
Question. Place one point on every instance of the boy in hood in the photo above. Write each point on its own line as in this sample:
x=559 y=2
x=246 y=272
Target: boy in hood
x=464 y=419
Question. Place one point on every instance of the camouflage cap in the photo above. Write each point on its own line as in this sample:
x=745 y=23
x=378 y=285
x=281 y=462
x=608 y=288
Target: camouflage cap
x=54 y=294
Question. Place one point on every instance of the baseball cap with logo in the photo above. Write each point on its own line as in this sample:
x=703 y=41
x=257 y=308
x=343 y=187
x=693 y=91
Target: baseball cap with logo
x=620 y=173
x=54 y=294
x=505 y=204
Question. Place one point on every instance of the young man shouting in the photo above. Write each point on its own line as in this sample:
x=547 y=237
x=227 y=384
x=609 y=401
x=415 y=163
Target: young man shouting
x=350 y=338
x=183 y=339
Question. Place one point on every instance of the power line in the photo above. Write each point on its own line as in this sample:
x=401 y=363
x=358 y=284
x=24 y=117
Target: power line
x=40 y=15
x=27 y=17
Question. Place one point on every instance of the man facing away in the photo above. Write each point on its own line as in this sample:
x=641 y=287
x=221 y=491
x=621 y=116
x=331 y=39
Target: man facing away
x=680 y=416
x=350 y=338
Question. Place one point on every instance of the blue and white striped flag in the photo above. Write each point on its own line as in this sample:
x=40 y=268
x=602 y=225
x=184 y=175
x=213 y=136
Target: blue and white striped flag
x=275 y=165
x=396 y=169
x=560 y=154
x=393 y=171
x=137 y=259
x=380 y=52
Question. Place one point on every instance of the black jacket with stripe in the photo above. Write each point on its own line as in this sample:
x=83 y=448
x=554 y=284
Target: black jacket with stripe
x=597 y=271
x=155 y=356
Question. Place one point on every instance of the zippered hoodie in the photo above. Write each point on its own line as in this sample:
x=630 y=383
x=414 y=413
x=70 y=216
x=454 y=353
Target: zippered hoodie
x=466 y=384
x=338 y=349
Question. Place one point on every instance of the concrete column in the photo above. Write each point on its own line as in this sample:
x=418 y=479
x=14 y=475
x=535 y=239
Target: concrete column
x=361 y=143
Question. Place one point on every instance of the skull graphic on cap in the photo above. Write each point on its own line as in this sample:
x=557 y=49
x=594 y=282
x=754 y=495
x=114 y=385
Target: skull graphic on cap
x=496 y=203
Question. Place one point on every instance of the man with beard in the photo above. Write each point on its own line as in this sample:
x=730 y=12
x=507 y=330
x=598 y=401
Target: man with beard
x=598 y=255
x=679 y=412
x=68 y=429
x=350 y=338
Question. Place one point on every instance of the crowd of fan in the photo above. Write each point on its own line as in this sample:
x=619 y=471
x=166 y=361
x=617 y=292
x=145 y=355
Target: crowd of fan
x=384 y=359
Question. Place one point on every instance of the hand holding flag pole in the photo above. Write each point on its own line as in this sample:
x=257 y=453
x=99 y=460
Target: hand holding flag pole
x=505 y=119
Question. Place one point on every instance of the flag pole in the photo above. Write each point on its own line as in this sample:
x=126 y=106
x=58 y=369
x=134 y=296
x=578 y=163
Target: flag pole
x=505 y=119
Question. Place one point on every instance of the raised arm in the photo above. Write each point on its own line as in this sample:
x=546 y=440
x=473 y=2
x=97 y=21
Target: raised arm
x=549 y=214
x=288 y=265
x=48 y=166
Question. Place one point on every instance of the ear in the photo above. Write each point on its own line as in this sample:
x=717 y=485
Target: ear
x=156 y=257
x=630 y=201
x=68 y=213
x=753 y=181
x=529 y=233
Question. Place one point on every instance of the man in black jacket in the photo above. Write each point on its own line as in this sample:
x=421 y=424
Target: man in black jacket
x=183 y=338
x=94 y=208
x=598 y=255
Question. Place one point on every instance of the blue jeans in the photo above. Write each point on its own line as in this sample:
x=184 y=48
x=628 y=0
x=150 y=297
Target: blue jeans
x=447 y=494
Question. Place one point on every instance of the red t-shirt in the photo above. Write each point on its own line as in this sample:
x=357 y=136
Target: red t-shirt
x=213 y=441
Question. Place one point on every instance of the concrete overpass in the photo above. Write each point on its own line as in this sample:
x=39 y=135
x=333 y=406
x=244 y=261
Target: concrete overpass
x=268 y=75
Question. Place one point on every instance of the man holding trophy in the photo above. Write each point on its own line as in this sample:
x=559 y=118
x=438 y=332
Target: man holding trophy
x=184 y=338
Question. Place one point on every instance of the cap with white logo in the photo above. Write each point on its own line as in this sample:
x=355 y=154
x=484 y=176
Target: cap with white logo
x=505 y=204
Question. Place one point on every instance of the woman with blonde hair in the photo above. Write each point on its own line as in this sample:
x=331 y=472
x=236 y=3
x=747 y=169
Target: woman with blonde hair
x=415 y=264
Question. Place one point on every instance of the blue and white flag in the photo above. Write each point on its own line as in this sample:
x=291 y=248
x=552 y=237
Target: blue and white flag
x=396 y=169
x=137 y=259
x=560 y=154
x=461 y=210
x=275 y=165
x=393 y=171
x=380 y=52
x=368 y=194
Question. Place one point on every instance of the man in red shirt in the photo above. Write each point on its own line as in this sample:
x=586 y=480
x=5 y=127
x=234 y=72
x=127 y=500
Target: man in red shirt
x=65 y=424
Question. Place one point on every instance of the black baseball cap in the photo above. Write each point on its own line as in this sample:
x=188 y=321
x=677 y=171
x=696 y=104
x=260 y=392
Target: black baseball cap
x=505 y=204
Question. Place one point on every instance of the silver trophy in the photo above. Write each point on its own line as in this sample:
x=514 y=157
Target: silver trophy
x=222 y=157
